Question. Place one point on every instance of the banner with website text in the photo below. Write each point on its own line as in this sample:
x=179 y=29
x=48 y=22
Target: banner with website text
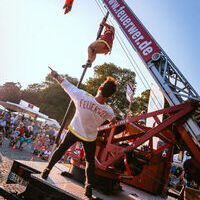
x=133 y=29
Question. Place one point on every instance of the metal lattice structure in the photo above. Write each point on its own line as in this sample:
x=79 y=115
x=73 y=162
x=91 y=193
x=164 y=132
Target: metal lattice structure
x=171 y=81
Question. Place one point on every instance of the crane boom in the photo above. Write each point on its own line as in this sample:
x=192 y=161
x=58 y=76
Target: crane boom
x=171 y=81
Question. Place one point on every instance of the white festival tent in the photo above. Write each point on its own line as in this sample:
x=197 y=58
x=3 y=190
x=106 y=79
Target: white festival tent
x=2 y=108
x=19 y=108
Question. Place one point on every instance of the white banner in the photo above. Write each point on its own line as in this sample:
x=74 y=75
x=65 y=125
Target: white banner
x=156 y=102
x=29 y=105
x=129 y=91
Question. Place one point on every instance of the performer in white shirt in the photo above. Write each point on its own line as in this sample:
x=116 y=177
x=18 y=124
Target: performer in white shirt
x=90 y=113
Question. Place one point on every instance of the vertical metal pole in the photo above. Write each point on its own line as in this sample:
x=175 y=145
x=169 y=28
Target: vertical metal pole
x=101 y=27
x=69 y=109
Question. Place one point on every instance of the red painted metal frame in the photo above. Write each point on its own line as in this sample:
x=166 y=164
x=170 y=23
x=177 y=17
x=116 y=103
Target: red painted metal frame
x=190 y=143
x=113 y=152
x=109 y=151
x=127 y=166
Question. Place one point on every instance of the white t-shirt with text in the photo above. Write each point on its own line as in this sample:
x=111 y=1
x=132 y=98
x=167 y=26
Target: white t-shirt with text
x=89 y=113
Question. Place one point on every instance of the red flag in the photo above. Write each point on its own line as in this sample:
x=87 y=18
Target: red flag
x=68 y=5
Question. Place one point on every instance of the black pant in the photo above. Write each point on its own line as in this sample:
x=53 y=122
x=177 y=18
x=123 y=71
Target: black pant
x=89 y=148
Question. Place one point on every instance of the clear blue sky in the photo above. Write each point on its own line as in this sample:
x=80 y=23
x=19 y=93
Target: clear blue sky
x=35 y=33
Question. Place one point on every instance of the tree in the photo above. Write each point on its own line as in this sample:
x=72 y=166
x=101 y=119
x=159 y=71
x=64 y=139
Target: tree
x=53 y=101
x=10 y=91
x=36 y=87
x=140 y=103
x=118 y=102
x=32 y=93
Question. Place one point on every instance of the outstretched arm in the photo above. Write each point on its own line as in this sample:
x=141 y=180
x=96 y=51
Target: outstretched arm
x=68 y=87
x=58 y=78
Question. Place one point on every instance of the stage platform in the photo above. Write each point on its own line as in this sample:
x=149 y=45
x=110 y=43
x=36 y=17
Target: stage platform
x=59 y=187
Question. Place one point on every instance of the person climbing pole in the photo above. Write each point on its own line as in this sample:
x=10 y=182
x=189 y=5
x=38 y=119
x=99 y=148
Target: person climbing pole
x=103 y=45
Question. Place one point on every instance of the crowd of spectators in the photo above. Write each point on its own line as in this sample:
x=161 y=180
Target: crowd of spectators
x=23 y=131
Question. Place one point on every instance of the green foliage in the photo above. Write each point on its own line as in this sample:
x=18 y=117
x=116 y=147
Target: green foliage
x=32 y=93
x=140 y=103
x=10 y=91
x=53 y=101
x=48 y=96
x=118 y=102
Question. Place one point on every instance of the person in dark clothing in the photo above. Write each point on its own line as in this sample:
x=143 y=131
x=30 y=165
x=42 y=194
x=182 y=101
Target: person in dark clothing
x=91 y=112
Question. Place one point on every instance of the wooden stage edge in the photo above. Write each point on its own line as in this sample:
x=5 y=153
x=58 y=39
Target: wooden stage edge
x=74 y=189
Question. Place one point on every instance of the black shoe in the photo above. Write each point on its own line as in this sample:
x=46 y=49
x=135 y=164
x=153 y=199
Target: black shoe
x=88 y=191
x=88 y=64
x=45 y=173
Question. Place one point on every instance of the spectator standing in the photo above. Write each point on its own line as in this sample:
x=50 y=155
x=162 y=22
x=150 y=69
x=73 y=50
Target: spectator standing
x=3 y=126
x=6 y=115
x=27 y=123
x=35 y=128
x=17 y=121
x=51 y=134
x=46 y=140
x=7 y=128
x=12 y=119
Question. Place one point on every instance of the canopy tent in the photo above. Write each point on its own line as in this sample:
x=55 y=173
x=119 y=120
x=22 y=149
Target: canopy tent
x=2 y=108
x=23 y=109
